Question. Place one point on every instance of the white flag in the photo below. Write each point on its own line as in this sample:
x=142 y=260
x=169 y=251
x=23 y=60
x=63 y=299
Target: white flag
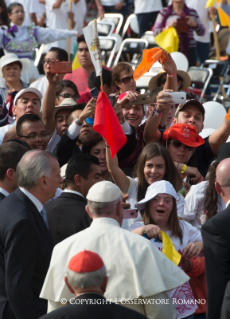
x=91 y=38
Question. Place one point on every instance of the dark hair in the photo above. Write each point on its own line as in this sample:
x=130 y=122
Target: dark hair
x=80 y=164
x=18 y=141
x=81 y=38
x=4 y=13
x=76 y=107
x=173 y=220
x=171 y=174
x=153 y=94
x=94 y=138
x=65 y=84
x=14 y=63
x=94 y=81
x=10 y=154
x=118 y=69
x=13 y=5
x=211 y=196
x=62 y=55
x=26 y=118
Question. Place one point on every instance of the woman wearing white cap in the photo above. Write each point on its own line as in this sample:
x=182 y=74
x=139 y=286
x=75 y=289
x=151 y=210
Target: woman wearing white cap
x=10 y=72
x=160 y=214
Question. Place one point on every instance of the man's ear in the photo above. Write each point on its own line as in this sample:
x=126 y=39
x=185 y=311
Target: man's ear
x=42 y=182
x=174 y=120
x=218 y=188
x=10 y=174
x=88 y=211
x=68 y=285
x=14 y=110
x=78 y=179
x=104 y=283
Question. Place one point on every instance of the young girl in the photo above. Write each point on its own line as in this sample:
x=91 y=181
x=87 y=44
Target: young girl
x=154 y=164
x=22 y=40
x=160 y=214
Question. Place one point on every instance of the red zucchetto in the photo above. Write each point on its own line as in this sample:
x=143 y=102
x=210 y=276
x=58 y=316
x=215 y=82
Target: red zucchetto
x=85 y=261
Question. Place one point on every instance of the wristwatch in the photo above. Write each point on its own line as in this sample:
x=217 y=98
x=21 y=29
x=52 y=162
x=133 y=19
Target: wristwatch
x=78 y=122
x=157 y=112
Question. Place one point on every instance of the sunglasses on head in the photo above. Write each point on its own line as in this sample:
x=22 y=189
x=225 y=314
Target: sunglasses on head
x=89 y=121
x=178 y=144
x=126 y=80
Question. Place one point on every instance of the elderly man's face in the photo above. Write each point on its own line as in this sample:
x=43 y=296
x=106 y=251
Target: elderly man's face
x=27 y=103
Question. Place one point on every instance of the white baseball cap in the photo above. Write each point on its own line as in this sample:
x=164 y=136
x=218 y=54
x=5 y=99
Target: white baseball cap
x=104 y=192
x=28 y=90
x=161 y=187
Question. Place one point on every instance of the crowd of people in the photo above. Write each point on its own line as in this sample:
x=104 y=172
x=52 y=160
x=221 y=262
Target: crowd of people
x=81 y=231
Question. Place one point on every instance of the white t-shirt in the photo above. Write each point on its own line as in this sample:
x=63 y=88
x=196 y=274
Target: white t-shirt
x=184 y=292
x=145 y=6
x=194 y=204
x=57 y=19
x=199 y=6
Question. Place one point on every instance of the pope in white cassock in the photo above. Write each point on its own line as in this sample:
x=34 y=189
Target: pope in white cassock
x=136 y=269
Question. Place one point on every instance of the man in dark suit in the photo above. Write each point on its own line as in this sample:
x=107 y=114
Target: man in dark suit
x=25 y=241
x=216 y=239
x=66 y=214
x=87 y=279
x=10 y=155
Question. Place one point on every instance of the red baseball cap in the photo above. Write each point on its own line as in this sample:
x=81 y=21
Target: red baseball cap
x=184 y=133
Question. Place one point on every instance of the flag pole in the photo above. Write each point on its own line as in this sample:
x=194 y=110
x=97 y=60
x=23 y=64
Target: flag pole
x=69 y=28
x=98 y=48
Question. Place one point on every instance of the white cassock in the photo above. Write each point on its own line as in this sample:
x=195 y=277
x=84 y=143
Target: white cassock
x=136 y=269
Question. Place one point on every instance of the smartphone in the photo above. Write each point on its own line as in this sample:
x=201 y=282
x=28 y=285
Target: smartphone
x=94 y=93
x=60 y=67
x=130 y=213
x=141 y=99
x=178 y=97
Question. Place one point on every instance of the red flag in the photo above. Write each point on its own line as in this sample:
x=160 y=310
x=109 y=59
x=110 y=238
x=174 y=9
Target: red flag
x=107 y=124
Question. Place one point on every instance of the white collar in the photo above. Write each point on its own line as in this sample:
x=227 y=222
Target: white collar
x=33 y=199
x=104 y=221
x=227 y=203
x=73 y=192
x=3 y=191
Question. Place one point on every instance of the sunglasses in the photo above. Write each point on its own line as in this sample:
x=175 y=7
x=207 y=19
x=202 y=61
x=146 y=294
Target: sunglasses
x=126 y=80
x=89 y=121
x=162 y=81
x=178 y=144
x=68 y=95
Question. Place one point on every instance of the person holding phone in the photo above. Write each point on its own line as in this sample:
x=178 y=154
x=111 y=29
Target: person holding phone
x=181 y=141
x=159 y=212
x=190 y=22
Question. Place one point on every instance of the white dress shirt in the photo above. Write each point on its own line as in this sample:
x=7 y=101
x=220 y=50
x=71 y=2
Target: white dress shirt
x=73 y=192
x=3 y=191
x=33 y=199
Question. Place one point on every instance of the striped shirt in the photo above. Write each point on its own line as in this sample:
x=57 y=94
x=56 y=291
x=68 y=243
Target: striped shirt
x=199 y=29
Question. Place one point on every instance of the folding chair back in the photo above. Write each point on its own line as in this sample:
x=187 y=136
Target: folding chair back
x=108 y=47
x=105 y=28
x=143 y=82
x=200 y=78
x=115 y=18
x=220 y=71
x=150 y=38
x=131 y=22
x=131 y=51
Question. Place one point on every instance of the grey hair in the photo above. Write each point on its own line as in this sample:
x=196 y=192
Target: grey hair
x=87 y=279
x=100 y=209
x=32 y=166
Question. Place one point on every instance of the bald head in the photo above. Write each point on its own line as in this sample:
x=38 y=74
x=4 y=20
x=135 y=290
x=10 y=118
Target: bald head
x=223 y=173
x=222 y=183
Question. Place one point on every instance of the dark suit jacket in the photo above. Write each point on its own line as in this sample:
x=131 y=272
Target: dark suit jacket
x=67 y=216
x=216 y=239
x=225 y=311
x=25 y=253
x=2 y=196
x=98 y=310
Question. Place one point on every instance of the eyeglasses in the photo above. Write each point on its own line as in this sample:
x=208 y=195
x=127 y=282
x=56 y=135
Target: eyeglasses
x=126 y=80
x=178 y=144
x=90 y=121
x=68 y=95
x=33 y=137
x=47 y=61
x=18 y=11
